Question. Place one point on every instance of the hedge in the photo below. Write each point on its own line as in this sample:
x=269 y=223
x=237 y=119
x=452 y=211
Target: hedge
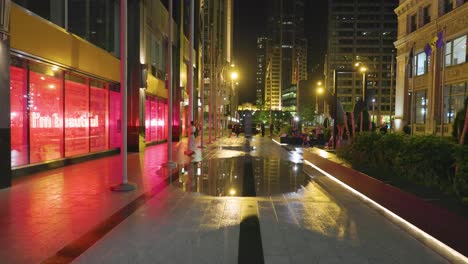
x=423 y=160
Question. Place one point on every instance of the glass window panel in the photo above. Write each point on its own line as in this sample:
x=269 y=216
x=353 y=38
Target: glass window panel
x=154 y=116
x=19 y=126
x=114 y=122
x=46 y=113
x=166 y=109
x=147 y=120
x=448 y=53
x=96 y=21
x=459 y=50
x=52 y=10
x=161 y=118
x=76 y=115
x=98 y=119
x=420 y=107
x=421 y=63
x=448 y=106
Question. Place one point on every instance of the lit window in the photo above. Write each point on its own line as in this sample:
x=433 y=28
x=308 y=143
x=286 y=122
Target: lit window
x=420 y=63
x=455 y=51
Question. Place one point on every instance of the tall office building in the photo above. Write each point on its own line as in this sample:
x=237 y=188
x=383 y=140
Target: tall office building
x=362 y=31
x=286 y=59
x=432 y=68
x=261 y=70
x=220 y=92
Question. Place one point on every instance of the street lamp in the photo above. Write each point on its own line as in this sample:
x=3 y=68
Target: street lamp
x=373 y=105
x=363 y=69
x=319 y=90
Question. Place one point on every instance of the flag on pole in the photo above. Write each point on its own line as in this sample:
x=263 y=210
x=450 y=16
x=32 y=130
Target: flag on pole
x=436 y=43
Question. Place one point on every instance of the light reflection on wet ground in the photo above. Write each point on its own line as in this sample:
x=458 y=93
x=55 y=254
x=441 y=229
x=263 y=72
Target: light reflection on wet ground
x=231 y=176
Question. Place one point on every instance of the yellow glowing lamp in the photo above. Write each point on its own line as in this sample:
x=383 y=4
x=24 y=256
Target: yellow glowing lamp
x=234 y=75
x=232 y=192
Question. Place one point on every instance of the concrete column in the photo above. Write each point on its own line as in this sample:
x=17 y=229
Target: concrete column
x=5 y=132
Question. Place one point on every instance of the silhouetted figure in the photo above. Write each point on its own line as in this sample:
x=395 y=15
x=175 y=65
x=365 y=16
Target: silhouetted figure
x=383 y=129
x=262 y=126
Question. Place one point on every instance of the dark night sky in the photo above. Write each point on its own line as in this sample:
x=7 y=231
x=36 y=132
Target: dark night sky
x=250 y=18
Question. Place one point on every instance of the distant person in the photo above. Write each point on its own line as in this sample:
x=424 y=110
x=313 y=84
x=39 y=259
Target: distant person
x=383 y=129
x=407 y=129
x=237 y=129
x=193 y=131
x=271 y=130
x=262 y=126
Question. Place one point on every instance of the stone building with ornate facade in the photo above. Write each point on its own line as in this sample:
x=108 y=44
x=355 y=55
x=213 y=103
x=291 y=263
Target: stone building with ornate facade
x=432 y=68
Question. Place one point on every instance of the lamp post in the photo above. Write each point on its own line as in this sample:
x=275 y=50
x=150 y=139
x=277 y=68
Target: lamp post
x=373 y=105
x=363 y=69
x=318 y=91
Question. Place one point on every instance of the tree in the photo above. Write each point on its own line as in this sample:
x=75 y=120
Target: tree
x=307 y=115
x=460 y=125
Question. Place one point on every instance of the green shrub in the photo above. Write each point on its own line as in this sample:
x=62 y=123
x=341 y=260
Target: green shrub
x=458 y=124
x=424 y=160
x=427 y=160
x=460 y=182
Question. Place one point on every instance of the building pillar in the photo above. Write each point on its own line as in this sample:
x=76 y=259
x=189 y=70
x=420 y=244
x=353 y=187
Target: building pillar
x=134 y=82
x=401 y=92
x=5 y=132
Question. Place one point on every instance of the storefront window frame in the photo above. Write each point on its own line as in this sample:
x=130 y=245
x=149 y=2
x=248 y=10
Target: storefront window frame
x=28 y=62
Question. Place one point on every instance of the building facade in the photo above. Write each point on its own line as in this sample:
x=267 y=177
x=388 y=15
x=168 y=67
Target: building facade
x=219 y=90
x=64 y=88
x=286 y=59
x=432 y=73
x=64 y=72
x=261 y=71
x=362 y=31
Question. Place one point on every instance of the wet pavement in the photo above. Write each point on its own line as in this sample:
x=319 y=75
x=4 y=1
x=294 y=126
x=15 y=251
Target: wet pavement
x=236 y=201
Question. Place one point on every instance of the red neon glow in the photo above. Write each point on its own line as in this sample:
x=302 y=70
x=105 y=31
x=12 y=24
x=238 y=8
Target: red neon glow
x=114 y=121
x=45 y=100
x=155 y=121
x=18 y=100
x=76 y=118
x=99 y=134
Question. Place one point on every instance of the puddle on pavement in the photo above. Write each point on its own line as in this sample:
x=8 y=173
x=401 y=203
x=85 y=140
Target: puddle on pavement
x=239 y=148
x=242 y=176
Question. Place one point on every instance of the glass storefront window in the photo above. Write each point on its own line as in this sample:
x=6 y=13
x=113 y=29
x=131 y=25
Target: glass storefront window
x=19 y=119
x=45 y=113
x=147 y=120
x=58 y=114
x=454 y=97
x=114 y=113
x=420 y=107
x=76 y=115
x=98 y=116
x=155 y=119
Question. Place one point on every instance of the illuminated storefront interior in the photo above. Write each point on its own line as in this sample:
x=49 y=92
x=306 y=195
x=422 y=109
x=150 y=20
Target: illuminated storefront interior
x=156 y=119
x=58 y=113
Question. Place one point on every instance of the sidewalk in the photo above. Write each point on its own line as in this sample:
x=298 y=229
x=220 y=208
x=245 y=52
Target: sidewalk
x=43 y=212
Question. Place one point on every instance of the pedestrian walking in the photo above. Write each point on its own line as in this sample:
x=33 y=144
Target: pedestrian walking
x=262 y=126
x=193 y=131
